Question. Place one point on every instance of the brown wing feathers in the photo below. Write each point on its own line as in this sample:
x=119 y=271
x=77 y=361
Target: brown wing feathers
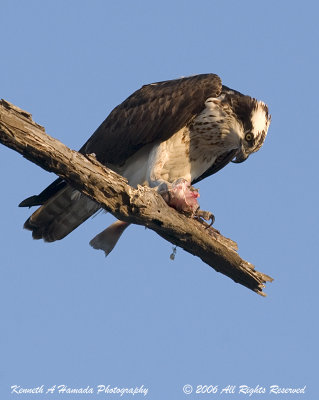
x=154 y=112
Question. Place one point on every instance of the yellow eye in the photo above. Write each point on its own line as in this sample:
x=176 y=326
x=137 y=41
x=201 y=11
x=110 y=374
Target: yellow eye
x=249 y=137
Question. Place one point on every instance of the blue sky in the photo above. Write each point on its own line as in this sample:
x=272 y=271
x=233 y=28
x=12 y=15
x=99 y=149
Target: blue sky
x=72 y=317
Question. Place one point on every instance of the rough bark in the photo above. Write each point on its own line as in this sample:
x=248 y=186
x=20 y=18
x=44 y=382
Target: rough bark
x=142 y=206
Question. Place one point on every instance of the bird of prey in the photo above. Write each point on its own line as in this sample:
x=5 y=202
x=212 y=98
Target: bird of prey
x=168 y=135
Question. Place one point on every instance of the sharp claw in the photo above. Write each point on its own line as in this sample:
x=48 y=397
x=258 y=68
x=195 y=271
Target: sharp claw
x=203 y=216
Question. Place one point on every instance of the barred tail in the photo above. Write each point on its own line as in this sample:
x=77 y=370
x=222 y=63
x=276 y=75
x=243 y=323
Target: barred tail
x=60 y=215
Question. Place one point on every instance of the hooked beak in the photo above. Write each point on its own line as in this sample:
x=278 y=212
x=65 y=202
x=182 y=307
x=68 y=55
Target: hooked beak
x=241 y=155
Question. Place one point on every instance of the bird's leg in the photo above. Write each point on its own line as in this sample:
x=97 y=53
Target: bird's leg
x=203 y=216
x=183 y=197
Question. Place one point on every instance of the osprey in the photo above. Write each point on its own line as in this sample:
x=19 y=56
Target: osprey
x=168 y=135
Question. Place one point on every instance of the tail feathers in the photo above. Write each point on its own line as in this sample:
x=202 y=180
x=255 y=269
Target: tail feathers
x=45 y=195
x=107 y=239
x=60 y=215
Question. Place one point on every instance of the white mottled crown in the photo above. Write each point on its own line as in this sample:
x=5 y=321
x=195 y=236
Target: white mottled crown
x=260 y=119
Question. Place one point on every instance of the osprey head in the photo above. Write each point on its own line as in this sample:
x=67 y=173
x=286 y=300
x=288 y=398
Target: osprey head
x=255 y=130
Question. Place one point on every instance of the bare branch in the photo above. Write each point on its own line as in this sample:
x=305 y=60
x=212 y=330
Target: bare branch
x=142 y=206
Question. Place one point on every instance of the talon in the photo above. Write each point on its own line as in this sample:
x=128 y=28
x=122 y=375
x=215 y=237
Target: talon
x=206 y=216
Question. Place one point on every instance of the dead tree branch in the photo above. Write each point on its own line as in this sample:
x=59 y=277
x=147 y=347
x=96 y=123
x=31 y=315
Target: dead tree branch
x=142 y=206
